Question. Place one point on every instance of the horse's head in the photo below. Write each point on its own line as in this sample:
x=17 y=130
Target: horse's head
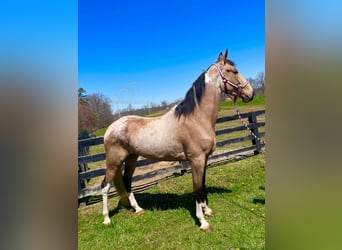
x=233 y=83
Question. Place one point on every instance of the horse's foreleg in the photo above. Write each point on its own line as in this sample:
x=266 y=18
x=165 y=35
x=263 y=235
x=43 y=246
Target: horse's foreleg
x=198 y=176
x=130 y=165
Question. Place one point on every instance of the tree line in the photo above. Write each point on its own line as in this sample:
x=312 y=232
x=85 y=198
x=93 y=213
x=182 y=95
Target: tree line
x=95 y=112
x=258 y=83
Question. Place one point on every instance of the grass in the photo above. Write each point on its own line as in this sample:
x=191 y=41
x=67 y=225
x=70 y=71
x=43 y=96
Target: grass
x=155 y=114
x=236 y=193
x=99 y=132
x=258 y=100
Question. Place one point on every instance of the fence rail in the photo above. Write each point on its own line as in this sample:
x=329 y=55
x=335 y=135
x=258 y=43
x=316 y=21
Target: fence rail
x=223 y=154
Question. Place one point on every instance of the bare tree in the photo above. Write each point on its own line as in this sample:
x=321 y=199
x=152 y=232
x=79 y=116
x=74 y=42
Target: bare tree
x=251 y=81
x=100 y=106
x=258 y=83
x=260 y=80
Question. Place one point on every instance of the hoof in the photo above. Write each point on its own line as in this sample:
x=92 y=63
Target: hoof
x=106 y=223
x=207 y=229
x=140 y=212
x=209 y=214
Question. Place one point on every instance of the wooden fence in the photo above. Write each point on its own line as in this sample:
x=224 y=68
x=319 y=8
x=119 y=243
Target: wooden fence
x=231 y=134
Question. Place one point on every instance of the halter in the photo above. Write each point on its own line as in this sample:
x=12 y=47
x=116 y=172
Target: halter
x=226 y=81
x=236 y=95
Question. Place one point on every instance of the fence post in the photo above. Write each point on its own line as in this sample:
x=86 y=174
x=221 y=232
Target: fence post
x=252 y=119
x=82 y=152
x=82 y=168
x=81 y=201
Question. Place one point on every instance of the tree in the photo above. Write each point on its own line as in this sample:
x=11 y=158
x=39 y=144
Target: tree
x=86 y=118
x=258 y=83
x=260 y=80
x=251 y=81
x=100 y=105
x=163 y=104
x=81 y=94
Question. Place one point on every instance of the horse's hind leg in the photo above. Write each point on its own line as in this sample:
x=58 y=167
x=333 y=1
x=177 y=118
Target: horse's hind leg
x=113 y=172
x=130 y=165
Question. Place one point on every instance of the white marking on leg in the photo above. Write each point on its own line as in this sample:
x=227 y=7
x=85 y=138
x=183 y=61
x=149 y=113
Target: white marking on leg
x=199 y=213
x=134 y=203
x=105 y=213
x=207 y=210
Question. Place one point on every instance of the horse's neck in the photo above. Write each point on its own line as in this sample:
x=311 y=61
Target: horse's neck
x=208 y=107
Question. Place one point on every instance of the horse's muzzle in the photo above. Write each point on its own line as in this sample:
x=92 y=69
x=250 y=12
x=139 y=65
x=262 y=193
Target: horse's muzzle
x=247 y=98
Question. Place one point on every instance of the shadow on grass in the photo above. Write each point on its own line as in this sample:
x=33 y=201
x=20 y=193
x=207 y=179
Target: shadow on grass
x=170 y=201
x=260 y=201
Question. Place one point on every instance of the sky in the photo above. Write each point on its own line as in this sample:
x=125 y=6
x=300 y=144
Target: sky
x=140 y=52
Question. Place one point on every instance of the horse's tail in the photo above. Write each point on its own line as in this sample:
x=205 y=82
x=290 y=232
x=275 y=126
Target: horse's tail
x=120 y=187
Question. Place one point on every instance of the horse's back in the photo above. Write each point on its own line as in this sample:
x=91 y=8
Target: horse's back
x=118 y=129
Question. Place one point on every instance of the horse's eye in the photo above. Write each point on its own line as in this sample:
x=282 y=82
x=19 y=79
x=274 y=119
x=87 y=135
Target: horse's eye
x=232 y=71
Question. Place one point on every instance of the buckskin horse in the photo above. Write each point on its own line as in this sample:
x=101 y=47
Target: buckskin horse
x=185 y=133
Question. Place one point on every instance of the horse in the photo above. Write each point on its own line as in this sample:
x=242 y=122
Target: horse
x=185 y=133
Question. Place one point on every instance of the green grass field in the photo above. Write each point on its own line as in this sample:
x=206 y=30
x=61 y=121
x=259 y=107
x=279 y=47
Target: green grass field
x=257 y=100
x=100 y=132
x=236 y=193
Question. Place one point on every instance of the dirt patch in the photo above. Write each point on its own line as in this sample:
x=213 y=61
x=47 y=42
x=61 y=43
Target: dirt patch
x=154 y=166
x=161 y=170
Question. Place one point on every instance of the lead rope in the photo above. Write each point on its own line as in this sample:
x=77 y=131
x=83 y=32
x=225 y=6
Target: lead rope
x=246 y=126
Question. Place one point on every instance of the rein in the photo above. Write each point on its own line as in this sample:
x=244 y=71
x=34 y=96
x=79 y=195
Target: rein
x=226 y=81
x=246 y=126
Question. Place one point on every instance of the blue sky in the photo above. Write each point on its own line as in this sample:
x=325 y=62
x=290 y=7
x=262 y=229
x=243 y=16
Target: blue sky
x=136 y=52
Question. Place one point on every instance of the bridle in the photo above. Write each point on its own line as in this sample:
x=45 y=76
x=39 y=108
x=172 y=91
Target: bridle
x=225 y=81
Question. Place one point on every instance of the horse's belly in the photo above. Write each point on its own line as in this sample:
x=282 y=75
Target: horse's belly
x=159 y=149
x=164 y=156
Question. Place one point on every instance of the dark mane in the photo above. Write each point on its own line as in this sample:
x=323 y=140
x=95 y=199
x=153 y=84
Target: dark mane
x=188 y=105
x=231 y=62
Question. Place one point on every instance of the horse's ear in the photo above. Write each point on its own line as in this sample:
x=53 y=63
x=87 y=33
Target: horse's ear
x=225 y=56
x=220 y=57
